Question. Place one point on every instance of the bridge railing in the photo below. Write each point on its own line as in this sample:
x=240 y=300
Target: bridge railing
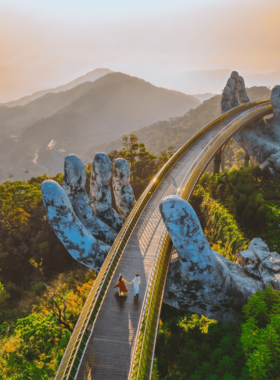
x=76 y=347
x=147 y=330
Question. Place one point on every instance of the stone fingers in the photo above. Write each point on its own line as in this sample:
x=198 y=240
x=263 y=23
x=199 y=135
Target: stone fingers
x=124 y=196
x=243 y=97
x=226 y=100
x=72 y=233
x=74 y=185
x=186 y=233
x=233 y=84
x=234 y=93
x=100 y=191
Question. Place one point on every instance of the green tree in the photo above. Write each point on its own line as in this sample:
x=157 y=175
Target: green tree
x=34 y=349
x=3 y=293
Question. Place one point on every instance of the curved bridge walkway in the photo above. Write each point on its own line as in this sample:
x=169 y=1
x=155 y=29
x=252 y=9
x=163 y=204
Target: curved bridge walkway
x=109 y=352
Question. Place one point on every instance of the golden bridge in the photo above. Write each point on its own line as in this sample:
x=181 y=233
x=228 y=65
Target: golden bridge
x=114 y=338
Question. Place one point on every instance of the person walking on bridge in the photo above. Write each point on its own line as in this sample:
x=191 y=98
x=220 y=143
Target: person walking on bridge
x=137 y=282
x=121 y=285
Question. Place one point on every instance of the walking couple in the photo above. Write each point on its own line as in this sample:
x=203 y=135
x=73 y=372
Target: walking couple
x=122 y=287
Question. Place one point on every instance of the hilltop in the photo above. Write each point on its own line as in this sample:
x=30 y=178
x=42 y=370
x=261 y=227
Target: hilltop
x=89 y=77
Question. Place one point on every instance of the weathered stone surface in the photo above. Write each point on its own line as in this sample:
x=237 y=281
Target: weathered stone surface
x=266 y=276
x=74 y=182
x=276 y=281
x=124 y=196
x=199 y=281
x=86 y=237
x=253 y=271
x=248 y=285
x=259 y=248
x=260 y=263
x=246 y=257
x=100 y=191
x=226 y=100
x=272 y=262
x=203 y=281
x=260 y=139
x=243 y=97
x=72 y=233
x=234 y=81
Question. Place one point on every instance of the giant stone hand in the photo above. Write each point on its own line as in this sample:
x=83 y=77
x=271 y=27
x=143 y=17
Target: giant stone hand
x=261 y=140
x=88 y=226
x=200 y=279
x=205 y=282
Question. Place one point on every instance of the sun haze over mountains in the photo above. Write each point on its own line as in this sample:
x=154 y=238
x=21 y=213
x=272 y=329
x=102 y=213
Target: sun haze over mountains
x=89 y=77
x=40 y=133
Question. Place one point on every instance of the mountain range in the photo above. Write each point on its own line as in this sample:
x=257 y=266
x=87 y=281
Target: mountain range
x=35 y=137
x=89 y=77
x=203 y=97
x=178 y=130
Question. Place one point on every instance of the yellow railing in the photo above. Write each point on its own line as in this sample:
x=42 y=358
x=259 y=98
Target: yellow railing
x=146 y=335
x=74 y=352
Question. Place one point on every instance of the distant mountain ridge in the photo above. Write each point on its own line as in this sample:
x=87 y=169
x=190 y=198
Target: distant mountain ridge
x=203 y=97
x=73 y=120
x=178 y=130
x=89 y=77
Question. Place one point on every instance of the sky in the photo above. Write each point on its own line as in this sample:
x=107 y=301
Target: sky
x=186 y=45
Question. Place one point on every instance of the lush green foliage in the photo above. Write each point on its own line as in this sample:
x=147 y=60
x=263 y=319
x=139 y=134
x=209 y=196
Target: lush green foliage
x=143 y=164
x=28 y=247
x=16 y=202
x=32 y=347
x=260 y=336
x=250 y=197
x=3 y=294
x=220 y=227
x=193 y=347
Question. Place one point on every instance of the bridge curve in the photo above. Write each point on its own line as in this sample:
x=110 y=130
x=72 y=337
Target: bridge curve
x=115 y=337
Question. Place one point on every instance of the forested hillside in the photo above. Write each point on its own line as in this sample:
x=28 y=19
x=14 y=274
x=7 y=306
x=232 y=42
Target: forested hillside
x=178 y=130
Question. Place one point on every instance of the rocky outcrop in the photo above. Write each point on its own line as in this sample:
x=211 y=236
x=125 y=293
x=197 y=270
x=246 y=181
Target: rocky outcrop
x=260 y=263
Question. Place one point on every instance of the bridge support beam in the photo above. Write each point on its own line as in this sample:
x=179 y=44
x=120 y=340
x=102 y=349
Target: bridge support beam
x=246 y=160
x=217 y=162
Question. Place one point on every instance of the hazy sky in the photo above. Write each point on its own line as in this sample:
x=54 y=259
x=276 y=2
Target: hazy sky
x=181 y=44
